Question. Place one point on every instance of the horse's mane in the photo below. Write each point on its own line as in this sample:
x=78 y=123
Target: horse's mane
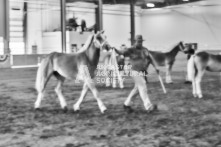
x=175 y=46
x=87 y=44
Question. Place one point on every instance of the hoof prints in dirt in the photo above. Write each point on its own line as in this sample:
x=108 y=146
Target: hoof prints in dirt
x=51 y=133
x=128 y=132
x=76 y=144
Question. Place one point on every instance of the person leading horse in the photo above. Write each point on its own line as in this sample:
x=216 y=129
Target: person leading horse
x=139 y=59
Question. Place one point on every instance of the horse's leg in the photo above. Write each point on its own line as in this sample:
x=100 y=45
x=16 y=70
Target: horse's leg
x=132 y=94
x=108 y=78
x=194 y=82
x=145 y=77
x=41 y=83
x=121 y=82
x=114 y=78
x=142 y=88
x=107 y=71
x=168 y=73
x=83 y=94
x=194 y=86
x=93 y=89
x=58 y=91
x=198 y=82
x=39 y=98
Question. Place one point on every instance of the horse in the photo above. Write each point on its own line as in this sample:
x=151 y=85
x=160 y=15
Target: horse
x=80 y=65
x=167 y=58
x=117 y=61
x=199 y=63
x=190 y=51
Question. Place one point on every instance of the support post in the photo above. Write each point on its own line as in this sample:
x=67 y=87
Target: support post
x=132 y=22
x=25 y=11
x=99 y=16
x=6 y=27
x=63 y=25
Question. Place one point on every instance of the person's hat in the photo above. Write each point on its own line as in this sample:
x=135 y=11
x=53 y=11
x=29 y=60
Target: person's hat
x=139 y=38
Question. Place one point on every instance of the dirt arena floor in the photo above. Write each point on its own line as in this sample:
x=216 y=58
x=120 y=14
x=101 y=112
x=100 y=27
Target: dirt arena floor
x=182 y=121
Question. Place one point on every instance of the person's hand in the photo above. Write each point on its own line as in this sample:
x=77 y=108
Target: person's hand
x=116 y=50
x=158 y=71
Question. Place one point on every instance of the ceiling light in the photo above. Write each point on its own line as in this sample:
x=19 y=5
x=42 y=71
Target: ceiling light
x=185 y=0
x=150 y=5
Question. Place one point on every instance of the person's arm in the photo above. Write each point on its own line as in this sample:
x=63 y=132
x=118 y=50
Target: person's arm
x=126 y=52
x=152 y=60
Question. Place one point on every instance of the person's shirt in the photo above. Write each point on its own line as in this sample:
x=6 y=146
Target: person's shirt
x=138 y=57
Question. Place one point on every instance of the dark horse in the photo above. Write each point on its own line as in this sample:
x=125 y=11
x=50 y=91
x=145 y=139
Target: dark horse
x=167 y=58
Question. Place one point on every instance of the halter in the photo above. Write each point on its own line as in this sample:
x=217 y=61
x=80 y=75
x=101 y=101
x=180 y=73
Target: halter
x=181 y=46
x=100 y=44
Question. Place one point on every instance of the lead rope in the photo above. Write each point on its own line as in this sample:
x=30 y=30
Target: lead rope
x=160 y=79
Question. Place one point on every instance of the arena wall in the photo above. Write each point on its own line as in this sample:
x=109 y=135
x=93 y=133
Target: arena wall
x=165 y=27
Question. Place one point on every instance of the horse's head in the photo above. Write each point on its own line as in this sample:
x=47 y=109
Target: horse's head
x=100 y=41
x=189 y=48
x=181 y=46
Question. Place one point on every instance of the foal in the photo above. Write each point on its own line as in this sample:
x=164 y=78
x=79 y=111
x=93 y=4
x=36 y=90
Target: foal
x=117 y=61
x=70 y=66
x=167 y=59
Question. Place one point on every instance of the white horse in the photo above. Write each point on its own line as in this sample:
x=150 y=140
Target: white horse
x=114 y=65
x=199 y=63
x=70 y=66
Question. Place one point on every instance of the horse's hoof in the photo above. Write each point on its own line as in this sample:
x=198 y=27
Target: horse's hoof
x=200 y=96
x=194 y=95
x=37 y=109
x=104 y=111
x=187 y=82
x=77 y=111
x=153 y=108
x=169 y=82
x=65 y=109
x=107 y=85
x=128 y=109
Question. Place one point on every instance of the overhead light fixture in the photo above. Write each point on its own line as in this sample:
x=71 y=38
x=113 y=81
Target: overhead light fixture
x=151 y=5
x=185 y=0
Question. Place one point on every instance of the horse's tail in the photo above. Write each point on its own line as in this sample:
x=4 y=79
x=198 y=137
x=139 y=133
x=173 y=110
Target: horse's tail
x=191 y=68
x=43 y=73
